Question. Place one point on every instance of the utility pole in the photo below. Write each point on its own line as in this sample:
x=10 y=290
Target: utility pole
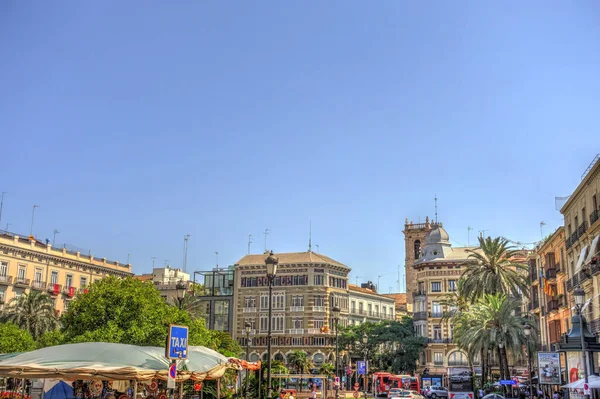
x=267 y=231
x=2 y=203
x=185 y=250
x=32 y=218
x=54 y=236
x=469 y=235
x=249 y=242
x=217 y=253
x=542 y=224
x=153 y=260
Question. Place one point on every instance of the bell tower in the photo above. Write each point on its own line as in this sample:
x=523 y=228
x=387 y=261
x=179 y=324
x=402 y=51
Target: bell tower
x=414 y=240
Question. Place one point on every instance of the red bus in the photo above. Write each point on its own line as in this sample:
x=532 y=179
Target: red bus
x=407 y=382
x=381 y=383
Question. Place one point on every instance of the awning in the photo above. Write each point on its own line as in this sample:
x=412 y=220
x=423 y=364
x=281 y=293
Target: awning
x=593 y=380
x=593 y=250
x=109 y=361
x=581 y=258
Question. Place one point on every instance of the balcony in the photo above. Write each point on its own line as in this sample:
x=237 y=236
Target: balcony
x=417 y=316
x=5 y=280
x=70 y=291
x=22 y=282
x=296 y=331
x=318 y=309
x=438 y=340
x=419 y=293
x=582 y=229
x=296 y=308
x=534 y=304
x=438 y=362
x=553 y=305
x=533 y=275
x=249 y=310
x=594 y=216
x=54 y=289
x=458 y=363
x=551 y=273
x=38 y=285
x=436 y=315
x=560 y=269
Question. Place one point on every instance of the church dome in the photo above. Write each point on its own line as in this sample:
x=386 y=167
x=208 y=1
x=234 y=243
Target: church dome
x=437 y=236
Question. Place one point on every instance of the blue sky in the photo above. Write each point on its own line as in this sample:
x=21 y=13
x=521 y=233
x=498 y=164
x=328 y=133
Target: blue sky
x=134 y=123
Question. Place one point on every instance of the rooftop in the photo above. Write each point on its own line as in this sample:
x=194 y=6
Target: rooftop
x=399 y=297
x=290 y=258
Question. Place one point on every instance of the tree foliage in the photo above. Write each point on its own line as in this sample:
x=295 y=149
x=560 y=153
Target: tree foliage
x=50 y=338
x=33 y=312
x=14 y=339
x=132 y=312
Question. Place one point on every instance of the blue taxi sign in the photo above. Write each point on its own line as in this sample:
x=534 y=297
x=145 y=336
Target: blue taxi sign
x=177 y=342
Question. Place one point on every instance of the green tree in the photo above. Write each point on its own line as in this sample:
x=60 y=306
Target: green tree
x=300 y=361
x=14 y=339
x=33 y=312
x=397 y=346
x=128 y=311
x=493 y=270
x=327 y=369
x=50 y=338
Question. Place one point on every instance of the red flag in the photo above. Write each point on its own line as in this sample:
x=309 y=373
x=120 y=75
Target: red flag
x=56 y=289
x=71 y=291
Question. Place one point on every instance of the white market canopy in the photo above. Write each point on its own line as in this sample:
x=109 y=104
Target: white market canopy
x=108 y=361
x=593 y=381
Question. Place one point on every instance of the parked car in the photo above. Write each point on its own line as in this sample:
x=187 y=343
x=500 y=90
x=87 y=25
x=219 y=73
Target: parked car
x=436 y=391
x=394 y=393
x=416 y=395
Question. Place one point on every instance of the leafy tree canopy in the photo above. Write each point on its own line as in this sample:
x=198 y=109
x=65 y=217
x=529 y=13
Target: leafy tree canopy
x=33 y=312
x=14 y=339
x=50 y=338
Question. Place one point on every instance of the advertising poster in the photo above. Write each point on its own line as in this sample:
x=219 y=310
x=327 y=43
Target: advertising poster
x=549 y=367
x=460 y=379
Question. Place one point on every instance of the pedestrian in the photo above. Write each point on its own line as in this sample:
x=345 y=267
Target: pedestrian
x=556 y=395
x=313 y=393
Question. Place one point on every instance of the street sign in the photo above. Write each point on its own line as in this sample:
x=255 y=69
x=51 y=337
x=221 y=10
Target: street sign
x=355 y=394
x=361 y=367
x=349 y=370
x=177 y=344
x=172 y=376
x=586 y=389
x=507 y=382
x=356 y=386
x=337 y=381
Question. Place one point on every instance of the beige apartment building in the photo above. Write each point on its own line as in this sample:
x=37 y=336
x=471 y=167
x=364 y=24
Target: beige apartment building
x=582 y=240
x=306 y=287
x=27 y=264
x=438 y=267
x=366 y=305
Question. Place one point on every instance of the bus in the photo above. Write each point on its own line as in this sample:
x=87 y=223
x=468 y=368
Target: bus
x=381 y=383
x=405 y=381
x=460 y=383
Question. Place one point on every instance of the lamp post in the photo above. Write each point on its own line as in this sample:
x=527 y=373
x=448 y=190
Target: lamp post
x=248 y=328
x=365 y=339
x=181 y=288
x=579 y=295
x=335 y=313
x=527 y=330
x=271 y=262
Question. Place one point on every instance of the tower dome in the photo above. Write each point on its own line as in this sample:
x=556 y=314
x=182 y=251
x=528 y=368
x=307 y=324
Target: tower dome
x=437 y=236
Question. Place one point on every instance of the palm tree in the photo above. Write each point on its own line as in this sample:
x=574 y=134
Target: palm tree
x=494 y=321
x=327 y=369
x=300 y=361
x=494 y=270
x=33 y=312
x=191 y=304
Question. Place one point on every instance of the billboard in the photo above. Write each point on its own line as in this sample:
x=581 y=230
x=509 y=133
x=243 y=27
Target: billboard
x=460 y=379
x=549 y=368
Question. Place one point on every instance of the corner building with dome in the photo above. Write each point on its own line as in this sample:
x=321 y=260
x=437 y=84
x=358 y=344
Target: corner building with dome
x=434 y=267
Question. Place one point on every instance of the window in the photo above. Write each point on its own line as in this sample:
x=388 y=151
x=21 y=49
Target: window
x=452 y=285
x=54 y=278
x=595 y=202
x=360 y=307
x=83 y=282
x=252 y=323
x=38 y=276
x=264 y=301
x=319 y=300
x=69 y=281
x=376 y=310
x=436 y=286
x=297 y=300
x=319 y=279
x=562 y=259
x=437 y=333
x=438 y=358
x=3 y=269
x=353 y=306
x=370 y=308
x=417 y=249
x=278 y=301
x=583 y=215
x=250 y=302
x=436 y=309
x=318 y=323
x=21 y=273
x=297 y=322
x=264 y=320
x=277 y=323
x=383 y=310
x=576 y=222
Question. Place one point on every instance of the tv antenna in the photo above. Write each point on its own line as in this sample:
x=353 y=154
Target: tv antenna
x=249 y=242
x=2 y=203
x=185 y=250
x=309 y=236
x=469 y=229
x=267 y=231
x=542 y=224
x=436 y=213
x=54 y=236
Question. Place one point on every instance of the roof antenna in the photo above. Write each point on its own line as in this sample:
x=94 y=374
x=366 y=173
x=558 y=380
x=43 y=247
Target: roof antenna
x=435 y=199
x=310 y=236
x=469 y=235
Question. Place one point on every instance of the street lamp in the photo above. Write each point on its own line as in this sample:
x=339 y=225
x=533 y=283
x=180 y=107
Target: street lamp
x=365 y=339
x=335 y=317
x=181 y=288
x=248 y=328
x=579 y=295
x=527 y=330
x=271 y=262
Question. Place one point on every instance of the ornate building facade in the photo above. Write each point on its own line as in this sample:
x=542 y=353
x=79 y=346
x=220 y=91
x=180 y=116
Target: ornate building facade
x=27 y=264
x=366 y=305
x=306 y=287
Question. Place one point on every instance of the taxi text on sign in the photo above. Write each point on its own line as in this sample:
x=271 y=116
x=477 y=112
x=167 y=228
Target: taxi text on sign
x=177 y=342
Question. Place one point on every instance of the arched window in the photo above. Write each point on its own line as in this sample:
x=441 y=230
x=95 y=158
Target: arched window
x=265 y=357
x=279 y=357
x=417 y=249
x=318 y=359
x=458 y=359
x=254 y=357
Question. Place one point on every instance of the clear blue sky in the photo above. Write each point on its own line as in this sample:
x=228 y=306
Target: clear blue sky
x=134 y=123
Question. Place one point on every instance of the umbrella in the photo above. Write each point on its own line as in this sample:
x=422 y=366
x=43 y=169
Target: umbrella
x=57 y=389
x=593 y=381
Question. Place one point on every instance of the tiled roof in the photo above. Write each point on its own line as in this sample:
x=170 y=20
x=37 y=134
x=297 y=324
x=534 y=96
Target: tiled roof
x=143 y=277
x=400 y=298
x=354 y=287
x=290 y=258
